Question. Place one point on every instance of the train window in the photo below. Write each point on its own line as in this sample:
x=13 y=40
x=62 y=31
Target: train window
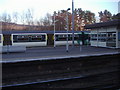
x=109 y=34
x=118 y=36
x=63 y=37
x=57 y=37
x=93 y=37
x=86 y=36
x=20 y=38
x=102 y=37
x=60 y=37
x=37 y=38
x=99 y=35
x=70 y=35
x=77 y=37
x=111 y=37
x=43 y=38
x=29 y=38
x=114 y=34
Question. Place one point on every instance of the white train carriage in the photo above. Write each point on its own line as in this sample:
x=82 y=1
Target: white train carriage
x=29 y=39
x=61 y=38
x=1 y=40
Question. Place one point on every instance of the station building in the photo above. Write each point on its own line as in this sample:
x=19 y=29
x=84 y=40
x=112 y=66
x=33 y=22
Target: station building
x=105 y=34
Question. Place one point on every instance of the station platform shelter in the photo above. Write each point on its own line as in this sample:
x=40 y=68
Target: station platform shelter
x=105 y=34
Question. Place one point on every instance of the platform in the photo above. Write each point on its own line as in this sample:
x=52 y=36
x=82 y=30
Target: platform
x=11 y=49
x=48 y=53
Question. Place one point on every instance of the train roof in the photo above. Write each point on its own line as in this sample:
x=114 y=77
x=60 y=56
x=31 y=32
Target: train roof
x=37 y=31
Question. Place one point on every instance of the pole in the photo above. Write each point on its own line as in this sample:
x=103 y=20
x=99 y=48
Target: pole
x=67 y=30
x=54 y=29
x=72 y=23
x=67 y=34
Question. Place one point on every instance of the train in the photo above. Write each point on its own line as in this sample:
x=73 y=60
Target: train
x=43 y=38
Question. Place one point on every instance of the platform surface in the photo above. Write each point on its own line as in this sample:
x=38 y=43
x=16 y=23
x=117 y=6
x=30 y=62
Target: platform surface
x=47 y=53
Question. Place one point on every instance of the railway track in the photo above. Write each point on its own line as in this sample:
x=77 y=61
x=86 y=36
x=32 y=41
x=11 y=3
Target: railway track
x=88 y=72
x=105 y=80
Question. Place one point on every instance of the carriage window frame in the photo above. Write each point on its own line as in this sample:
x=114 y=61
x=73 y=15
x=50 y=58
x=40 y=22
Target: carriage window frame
x=37 y=38
x=18 y=38
x=29 y=38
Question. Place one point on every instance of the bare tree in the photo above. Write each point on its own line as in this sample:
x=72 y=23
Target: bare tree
x=39 y=22
x=29 y=17
x=22 y=18
x=6 y=17
x=47 y=21
x=15 y=17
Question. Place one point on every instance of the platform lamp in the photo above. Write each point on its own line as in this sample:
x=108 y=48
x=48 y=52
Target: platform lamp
x=73 y=23
x=54 y=28
x=67 y=29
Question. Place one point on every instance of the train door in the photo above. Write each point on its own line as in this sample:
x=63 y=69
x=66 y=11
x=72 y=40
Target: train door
x=1 y=40
x=50 y=39
x=7 y=40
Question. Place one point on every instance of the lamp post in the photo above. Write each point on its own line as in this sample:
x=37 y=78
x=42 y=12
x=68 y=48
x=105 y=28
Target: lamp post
x=67 y=29
x=54 y=29
x=73 y=23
